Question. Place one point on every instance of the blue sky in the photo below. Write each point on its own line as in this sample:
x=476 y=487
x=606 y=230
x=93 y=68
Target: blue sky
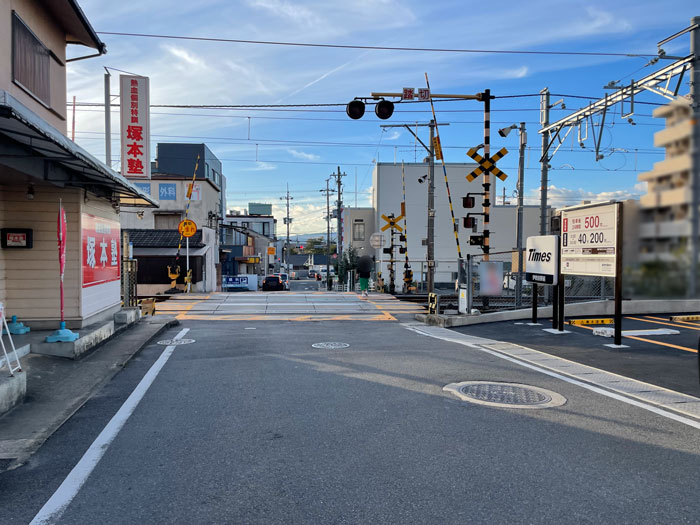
x=262 y=151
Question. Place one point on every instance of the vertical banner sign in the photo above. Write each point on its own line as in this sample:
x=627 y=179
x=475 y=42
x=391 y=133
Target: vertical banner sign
x=100 y=250
x=62 y=230
x=135 y=127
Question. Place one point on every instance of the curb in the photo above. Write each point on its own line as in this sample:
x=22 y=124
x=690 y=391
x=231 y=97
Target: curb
x=41 y=439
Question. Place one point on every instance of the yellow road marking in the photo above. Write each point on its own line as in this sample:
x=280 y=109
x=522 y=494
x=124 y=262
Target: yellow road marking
x=664 y=319
x=661 y=322
x=684 y=348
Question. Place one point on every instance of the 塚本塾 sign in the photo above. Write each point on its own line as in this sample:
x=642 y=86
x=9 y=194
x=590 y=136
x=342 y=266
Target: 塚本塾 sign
x=135 y=127
x=100 y=250
x=542 y=259
x=589 y=240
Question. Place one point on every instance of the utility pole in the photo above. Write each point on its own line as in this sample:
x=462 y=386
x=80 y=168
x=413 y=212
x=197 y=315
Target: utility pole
x=544 y=121
x=108 y=121
x=339 y=244
x=431 y=210
x=521 y=189
x=695 y=154
x=288 y=222
x=328 y=192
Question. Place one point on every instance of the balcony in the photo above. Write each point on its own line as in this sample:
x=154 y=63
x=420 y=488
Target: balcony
x=664 y=230
x=669 y=166
x=673 y=134
x=666 y=198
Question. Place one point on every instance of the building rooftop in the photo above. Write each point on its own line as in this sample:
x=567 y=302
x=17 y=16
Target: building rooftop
x=162 y=239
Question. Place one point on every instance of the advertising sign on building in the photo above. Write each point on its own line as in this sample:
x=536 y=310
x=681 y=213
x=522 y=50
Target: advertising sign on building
x=101 y=255
x=542 y=259
x=135 y=127
x=195 y=192
x=589 y=240
x=167 y=192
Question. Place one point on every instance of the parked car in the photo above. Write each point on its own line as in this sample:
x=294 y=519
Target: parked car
x=272 y=283
x=312 y=274
x=285 y=280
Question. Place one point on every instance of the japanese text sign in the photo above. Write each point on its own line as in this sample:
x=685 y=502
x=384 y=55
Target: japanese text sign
x=589 y=240
x=135 y=127
x=101 y=256
x=187 y=228
x=167 y=192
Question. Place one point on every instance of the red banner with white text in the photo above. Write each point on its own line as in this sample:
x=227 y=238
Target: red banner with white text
x=100 y=250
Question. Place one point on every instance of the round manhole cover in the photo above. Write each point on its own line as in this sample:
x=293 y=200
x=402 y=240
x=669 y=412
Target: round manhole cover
x=330 y=346
x=173 y=342
x=508 y=395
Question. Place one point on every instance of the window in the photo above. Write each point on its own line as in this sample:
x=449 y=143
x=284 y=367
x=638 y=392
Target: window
x=30 y=62
x=167 y=221
x=358 y=231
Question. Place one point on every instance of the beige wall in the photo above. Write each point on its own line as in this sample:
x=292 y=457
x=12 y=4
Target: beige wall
x=29 y=278
x=198 y=209
x=53 y=37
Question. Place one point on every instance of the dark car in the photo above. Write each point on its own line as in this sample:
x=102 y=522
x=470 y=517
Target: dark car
x=272 y=282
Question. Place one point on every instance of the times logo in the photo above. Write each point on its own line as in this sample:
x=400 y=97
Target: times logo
x=535 y=255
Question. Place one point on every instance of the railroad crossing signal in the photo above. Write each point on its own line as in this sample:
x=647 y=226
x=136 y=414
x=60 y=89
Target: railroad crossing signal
x=487 y=164
x=392 y=222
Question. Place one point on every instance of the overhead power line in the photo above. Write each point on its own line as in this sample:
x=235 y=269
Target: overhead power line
x=377 y=48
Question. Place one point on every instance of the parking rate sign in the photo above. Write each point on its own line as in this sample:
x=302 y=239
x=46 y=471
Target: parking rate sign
x=589 y=240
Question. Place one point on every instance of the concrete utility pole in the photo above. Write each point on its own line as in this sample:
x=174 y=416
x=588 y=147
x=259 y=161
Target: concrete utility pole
x=695 y=154
x=288 y=222
x=430 y=258
x=338 y=179
x=521 y=189
x=328 y=192
x=108 y=121
x=544 y=121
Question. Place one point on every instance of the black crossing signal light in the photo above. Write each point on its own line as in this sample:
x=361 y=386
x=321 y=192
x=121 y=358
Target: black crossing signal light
x=408 y=276
x=469 y=222
x=402 y=238
x=476 y=240
x=468 y=202
x=387 y=250
x=355 y=109
x=384 y=109
x=402 y=250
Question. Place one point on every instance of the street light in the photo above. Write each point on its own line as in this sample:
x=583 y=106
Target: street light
x=503 y=132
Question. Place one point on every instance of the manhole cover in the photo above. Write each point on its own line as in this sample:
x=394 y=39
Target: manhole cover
x=330 y=346
x=509 y=395
x=173 y=342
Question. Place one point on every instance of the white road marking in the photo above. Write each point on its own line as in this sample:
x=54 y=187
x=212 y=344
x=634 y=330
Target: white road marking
x=453 y=337
x=53 y=509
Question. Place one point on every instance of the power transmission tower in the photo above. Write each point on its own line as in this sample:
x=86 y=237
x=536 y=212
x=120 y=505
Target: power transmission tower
x=338 y=180
x=288 y=222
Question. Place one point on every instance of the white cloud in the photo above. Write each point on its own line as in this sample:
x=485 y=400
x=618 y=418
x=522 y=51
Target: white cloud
x=302 y=155
x=558 y=197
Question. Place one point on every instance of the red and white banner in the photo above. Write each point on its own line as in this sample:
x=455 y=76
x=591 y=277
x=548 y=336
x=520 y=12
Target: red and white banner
x=135 y=127
x=100 y=250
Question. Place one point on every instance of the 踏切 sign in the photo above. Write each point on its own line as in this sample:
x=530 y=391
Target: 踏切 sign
x=135 y=127
x=589 y=240
x=100 y=250
x=187 y=228
x=542 y=259
x=422 y=94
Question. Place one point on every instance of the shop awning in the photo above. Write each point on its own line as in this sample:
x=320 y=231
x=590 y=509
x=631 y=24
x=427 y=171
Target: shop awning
x=38 y=140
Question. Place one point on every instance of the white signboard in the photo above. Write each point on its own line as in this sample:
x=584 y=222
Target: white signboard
x=589 y=240
x=377 y=240
x=196 y=191
x=490 y=278
x=135 y=127
x=542 y=259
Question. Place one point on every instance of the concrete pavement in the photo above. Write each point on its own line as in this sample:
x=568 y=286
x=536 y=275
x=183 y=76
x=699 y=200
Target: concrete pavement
x=252 y=424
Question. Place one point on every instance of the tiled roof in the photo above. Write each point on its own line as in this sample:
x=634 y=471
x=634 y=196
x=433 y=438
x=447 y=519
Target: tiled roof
x=162 y=239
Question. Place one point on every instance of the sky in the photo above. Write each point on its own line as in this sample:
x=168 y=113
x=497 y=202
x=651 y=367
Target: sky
x=264 y=150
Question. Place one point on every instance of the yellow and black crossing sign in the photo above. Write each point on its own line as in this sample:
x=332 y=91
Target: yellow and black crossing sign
x=392 y=222
x=487 y=164
x=583 y=322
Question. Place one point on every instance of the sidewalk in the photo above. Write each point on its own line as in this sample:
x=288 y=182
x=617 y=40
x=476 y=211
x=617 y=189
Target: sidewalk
x=58 y=387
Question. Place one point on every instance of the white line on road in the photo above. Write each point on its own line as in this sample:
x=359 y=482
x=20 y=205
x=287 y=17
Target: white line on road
x=470 y=341
x=58 y=503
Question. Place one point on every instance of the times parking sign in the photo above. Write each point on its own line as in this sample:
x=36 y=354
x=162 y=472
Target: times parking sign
x=589 y=240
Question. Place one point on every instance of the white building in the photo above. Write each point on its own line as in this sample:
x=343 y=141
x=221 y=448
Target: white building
x=386 y=199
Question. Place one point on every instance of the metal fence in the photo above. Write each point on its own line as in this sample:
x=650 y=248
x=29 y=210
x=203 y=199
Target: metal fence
x=505 y=294
x=129 y=285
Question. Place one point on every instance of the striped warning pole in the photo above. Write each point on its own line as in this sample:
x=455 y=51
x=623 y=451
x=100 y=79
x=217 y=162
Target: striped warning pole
x=438 y=154
x=486 y=202
x=187 y=207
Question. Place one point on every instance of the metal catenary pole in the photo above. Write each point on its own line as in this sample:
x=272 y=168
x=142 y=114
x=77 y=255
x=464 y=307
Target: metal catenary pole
x=339 y=243
x=521 y=186
x=695 y=152
x=431 y=211
x=544 y=121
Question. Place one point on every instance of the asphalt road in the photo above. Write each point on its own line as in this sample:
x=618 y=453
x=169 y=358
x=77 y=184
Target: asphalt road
x=251 y=424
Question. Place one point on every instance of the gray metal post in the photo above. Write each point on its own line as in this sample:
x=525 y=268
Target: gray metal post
x=108 y=121
x=328 y=234
x=521 y=189
x=544 y=121
x=470 y=292
x=431 y=211
x=339 y=242
x=618 y=276
x=695 y=157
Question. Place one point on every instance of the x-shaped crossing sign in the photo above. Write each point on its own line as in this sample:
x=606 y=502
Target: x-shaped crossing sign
x=392 y=222
x=487 y=164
